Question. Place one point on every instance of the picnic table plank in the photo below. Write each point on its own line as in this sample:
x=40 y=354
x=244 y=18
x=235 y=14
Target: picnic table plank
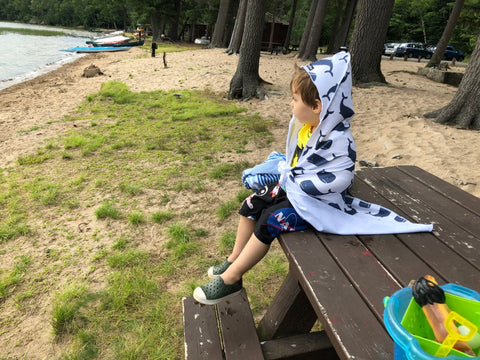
x=365 y=271
x=201 y=325
x=330 y=293
x=238 y=329
x=453 y=193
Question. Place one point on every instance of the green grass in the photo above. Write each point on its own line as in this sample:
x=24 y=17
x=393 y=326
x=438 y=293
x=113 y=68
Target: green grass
x=116 y=211
x=14 y=277
x=108 y=210
x=37 y=32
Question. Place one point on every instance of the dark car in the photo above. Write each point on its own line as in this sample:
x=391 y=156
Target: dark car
x=452 y=53
x=413 y=50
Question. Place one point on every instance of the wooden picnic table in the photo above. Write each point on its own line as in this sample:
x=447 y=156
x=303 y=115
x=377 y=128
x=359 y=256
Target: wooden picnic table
x=342 y=280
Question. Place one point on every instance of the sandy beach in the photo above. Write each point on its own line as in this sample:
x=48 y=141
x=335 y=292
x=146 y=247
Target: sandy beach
x=389 y=129
x=389 y=126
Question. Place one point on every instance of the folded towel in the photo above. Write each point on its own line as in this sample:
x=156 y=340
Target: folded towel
x=265 y=173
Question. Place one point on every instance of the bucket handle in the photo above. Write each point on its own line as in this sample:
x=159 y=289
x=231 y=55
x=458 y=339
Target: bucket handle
x=453 y=334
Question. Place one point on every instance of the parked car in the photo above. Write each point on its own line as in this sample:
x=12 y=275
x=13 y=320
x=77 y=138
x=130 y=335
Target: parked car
x=451 y=53
x=413 y=50
x=389 y=48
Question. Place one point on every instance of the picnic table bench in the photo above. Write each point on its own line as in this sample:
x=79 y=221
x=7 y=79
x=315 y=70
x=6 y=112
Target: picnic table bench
x=341 y=281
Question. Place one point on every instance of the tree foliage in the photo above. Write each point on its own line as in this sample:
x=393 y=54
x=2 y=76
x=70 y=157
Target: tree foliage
x=412 y=20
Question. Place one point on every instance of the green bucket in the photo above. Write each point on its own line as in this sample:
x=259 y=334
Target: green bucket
x=415 y=322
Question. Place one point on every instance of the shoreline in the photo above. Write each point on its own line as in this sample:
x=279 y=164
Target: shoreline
x=388 y=127
x=41 y=70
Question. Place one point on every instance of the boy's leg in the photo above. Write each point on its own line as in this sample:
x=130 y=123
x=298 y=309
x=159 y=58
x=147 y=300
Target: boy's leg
x=252 y=253
x=244 y=232
x=230 y=282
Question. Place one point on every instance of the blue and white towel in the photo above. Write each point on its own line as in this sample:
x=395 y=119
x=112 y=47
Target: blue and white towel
x=263 y=174
x=317 y=186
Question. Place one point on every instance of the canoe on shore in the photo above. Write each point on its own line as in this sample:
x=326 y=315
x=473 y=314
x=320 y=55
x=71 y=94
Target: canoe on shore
x=126 y=43
x=110 y=40
x=92 y=49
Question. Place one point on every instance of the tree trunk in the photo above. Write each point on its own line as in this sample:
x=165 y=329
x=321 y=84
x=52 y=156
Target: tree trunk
x=464 y=109
x=272 y=32
x=155 y=26
x=341 y=38
x=175 y=21
x=246 y=82
x=336 y=24
x=310 y=53
x=306 y=30
x=236 y=39
x=369 y=33
x=286 y=44
x=217 y=38
x=447 y=34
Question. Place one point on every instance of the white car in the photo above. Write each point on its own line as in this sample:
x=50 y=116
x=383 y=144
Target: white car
x=390 y=48
x=202 y=41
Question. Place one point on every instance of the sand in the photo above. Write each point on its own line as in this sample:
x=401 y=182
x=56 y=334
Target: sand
x=389 y=129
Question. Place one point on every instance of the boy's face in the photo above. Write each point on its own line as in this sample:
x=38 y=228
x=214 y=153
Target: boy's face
x=305 y=113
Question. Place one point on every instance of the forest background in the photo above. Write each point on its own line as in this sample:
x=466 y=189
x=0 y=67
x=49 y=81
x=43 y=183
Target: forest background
x=417 y=20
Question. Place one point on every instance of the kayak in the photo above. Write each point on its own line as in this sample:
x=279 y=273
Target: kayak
x=126 y=43
x=110 y=34
x=110 y=40
x=93 y=49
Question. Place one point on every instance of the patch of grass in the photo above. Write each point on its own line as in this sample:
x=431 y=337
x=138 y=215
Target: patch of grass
x=14 y=277
x=226 y=242
x=45 y=192
x=130 y=189
x=136 y=218
x=161 y=217
x=229 y=171
x=228 y=207
x=38 y=32
x=66 y=309
x=33 y=159
x=129 y=258
x=118 y=92
x=181 y=242
x=108 y=210
x=12 y=228
x=121 y=243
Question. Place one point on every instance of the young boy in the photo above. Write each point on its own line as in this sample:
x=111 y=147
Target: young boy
x=313 y=184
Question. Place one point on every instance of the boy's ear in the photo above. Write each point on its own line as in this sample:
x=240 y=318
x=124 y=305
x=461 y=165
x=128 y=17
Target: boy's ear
x=318 y=107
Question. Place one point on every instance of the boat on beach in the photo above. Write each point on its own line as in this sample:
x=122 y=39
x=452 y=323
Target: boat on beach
x=110 y=40
x=94 y=49
x=108 y=34
x=126 y=43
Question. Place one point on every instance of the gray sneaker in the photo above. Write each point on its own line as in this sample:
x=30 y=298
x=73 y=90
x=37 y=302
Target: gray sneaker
x=215 y=291
x=218 y=270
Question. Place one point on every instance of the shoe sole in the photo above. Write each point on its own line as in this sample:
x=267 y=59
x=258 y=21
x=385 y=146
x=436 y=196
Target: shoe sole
x=216 y=301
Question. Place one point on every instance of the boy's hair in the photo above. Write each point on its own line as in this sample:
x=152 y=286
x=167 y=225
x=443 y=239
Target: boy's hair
x=302 y=84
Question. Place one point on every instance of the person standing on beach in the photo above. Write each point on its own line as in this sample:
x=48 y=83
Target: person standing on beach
x=310 y=182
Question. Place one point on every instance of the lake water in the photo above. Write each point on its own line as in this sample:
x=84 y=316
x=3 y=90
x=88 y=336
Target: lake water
x=23 y=57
